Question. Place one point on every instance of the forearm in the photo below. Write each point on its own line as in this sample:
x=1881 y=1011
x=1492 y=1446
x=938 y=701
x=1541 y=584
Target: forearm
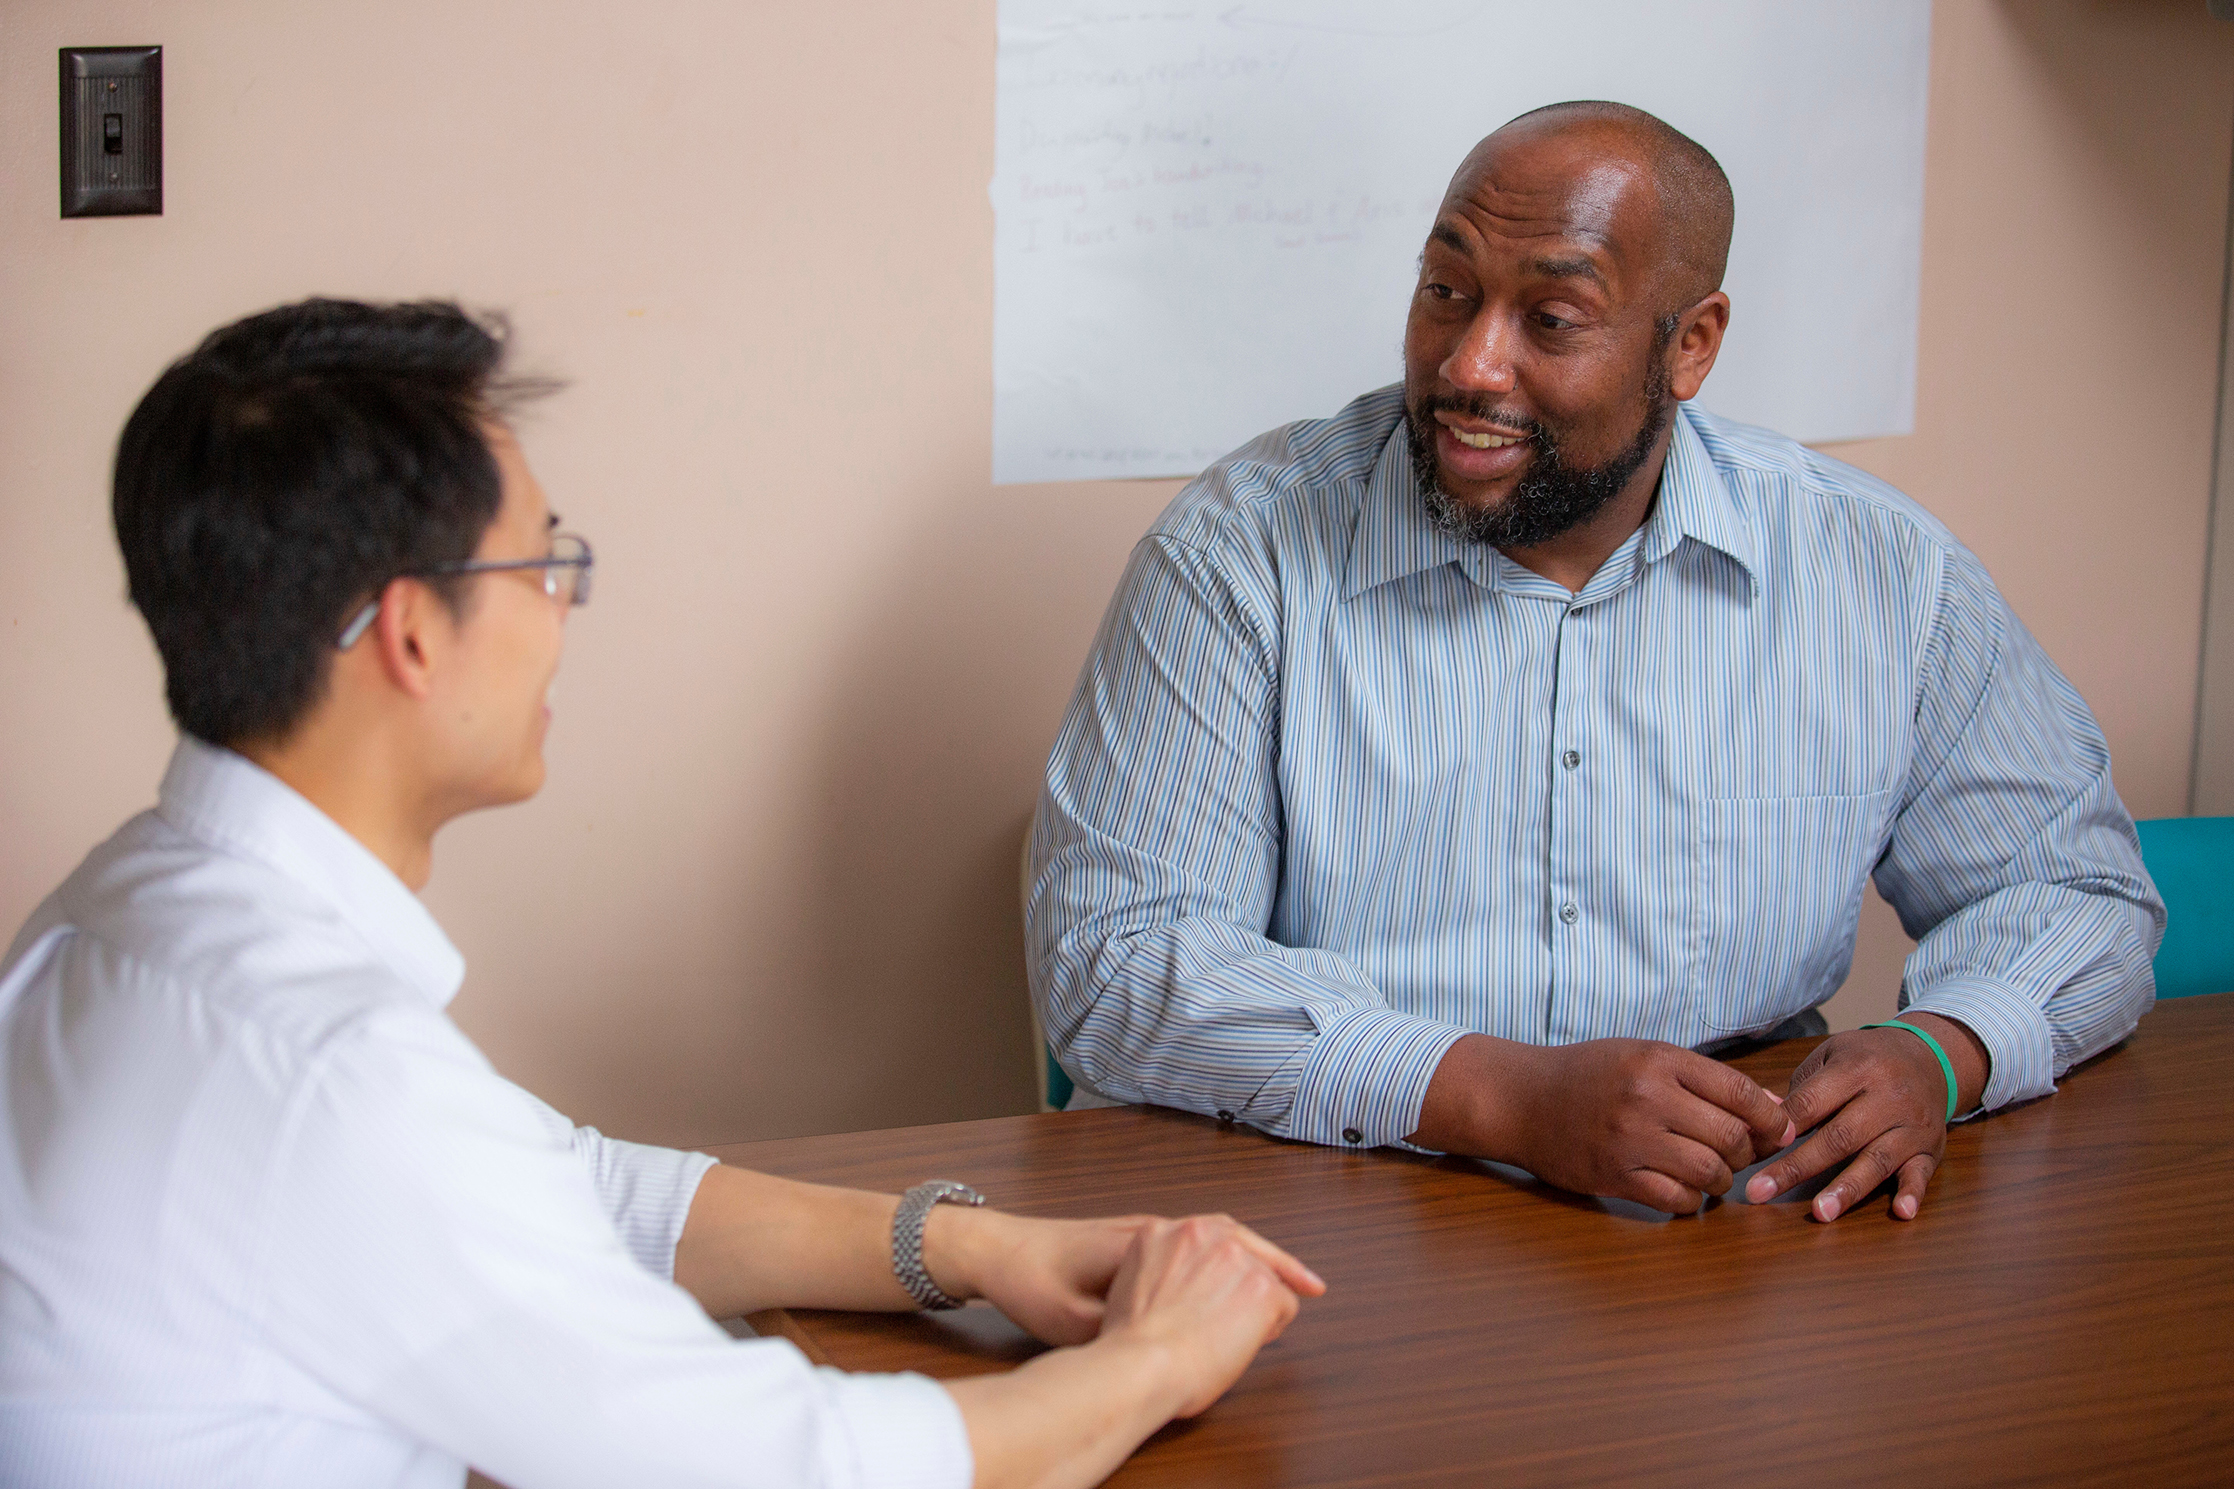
x=1068 y=1418
x=1189 y=1012
x=1210 y=1017
x=755 y=1241
x=2013 y=862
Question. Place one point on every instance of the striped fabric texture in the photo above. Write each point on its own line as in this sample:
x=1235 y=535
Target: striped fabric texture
x=1336 y=788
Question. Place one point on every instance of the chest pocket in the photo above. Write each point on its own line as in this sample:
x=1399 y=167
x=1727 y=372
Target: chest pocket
x=1780 y=884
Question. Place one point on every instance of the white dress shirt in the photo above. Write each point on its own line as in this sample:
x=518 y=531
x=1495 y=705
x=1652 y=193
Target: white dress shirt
x=268 y=1218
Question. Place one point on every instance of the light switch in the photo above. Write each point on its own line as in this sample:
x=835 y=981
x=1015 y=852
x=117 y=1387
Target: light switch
x=112 y=131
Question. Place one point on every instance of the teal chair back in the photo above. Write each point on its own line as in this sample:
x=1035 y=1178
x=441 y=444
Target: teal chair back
x=1059 y=1087
x=2192 y=861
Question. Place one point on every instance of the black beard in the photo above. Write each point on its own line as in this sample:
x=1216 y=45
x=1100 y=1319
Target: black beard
x=1552 y=496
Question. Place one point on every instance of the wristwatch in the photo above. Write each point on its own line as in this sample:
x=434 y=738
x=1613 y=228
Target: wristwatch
x=907 y=1238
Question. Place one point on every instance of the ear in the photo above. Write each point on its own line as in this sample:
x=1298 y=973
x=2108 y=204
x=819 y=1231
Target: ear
x=411 y=635
x=1697 y=342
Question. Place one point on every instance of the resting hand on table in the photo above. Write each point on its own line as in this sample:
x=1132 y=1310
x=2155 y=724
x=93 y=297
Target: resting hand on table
x=1878 y=1097
x=1050 y=1276
x=1184 y=1310
x=1159 y=1316
x=1053 y=1276
x=1631 y=1118
x=1208 y=1293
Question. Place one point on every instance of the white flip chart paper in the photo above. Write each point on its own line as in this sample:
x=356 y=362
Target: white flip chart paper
x=1208 y=217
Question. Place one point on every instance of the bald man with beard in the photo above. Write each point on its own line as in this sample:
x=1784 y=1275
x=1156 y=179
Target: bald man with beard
x=1462 y=771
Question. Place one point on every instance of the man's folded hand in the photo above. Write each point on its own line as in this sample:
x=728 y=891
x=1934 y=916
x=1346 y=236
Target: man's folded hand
x=1630 y=1118
x=1879 y=1097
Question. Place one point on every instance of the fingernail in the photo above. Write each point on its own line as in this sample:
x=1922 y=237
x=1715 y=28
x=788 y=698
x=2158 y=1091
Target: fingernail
x=1776 y=1098
x=1826 y=1207
x=1907 y=1206
x=1791 y=1130
x=1760 y=1189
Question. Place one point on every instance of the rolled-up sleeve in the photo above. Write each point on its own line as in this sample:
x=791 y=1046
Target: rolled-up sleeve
x=1146 y=923
x=2012 y=861
x=646 y=1191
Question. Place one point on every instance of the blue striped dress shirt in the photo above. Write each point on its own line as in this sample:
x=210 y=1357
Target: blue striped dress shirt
x=1336 y=788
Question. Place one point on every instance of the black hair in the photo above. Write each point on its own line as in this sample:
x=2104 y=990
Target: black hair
x=275 y=478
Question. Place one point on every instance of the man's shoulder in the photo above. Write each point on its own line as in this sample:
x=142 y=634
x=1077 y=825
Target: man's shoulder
x=246 y=947
x=1797 y=489
x=1305 y=477
x=184 y=1007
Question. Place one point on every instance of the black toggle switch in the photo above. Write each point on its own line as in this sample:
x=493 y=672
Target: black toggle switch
x=111 y=131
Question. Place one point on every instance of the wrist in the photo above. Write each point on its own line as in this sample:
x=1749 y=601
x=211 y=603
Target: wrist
x=1965 y=1051
x=1151 y=1366
x=956 y=1242
x=1505 y=1112
x=1477 y=1103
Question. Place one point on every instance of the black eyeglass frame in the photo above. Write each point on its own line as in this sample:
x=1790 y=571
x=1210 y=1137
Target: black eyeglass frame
x=583 y=563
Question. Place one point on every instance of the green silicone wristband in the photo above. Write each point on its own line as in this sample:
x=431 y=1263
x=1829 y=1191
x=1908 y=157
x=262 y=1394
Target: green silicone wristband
x=1946 y=1066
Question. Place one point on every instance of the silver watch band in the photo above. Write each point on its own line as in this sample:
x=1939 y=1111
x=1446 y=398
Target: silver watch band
x=907 y=1238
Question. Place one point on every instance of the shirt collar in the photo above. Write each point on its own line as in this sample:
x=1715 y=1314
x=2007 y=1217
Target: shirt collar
x=232 y=804
x=1696 y=503
x=1395 y=536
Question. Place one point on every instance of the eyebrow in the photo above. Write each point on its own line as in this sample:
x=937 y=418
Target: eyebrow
x=1576 y=267
x=1568 y=268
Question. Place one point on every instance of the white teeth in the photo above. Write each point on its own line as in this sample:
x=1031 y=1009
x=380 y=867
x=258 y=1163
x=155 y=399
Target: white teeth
x=1484 y=441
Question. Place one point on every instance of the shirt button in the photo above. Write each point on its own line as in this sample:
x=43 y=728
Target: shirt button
x=1224 y=1115
x=1569 y=913
x=1571 y=759
x=1352 y=1135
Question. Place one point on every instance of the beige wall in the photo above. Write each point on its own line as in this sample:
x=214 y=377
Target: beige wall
x=770 y=888
x=2213 y=792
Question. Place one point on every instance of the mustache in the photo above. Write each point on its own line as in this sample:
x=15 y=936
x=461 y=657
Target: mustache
x=1481 y=409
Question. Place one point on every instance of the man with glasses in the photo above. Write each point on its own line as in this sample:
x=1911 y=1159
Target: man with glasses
x=268 y=1217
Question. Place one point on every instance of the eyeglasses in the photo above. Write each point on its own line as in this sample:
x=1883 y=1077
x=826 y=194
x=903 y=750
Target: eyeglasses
x=566 y=578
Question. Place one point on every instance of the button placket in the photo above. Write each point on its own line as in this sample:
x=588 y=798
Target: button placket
x=1560 y=817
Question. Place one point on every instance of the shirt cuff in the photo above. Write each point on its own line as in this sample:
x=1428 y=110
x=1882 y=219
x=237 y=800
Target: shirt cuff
x=1367 y=1077
x=648 y=1192
x=2012 y=1027
x=902 y=1430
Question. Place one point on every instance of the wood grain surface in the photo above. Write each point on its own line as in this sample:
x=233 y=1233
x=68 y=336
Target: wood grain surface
x=2062 y=1311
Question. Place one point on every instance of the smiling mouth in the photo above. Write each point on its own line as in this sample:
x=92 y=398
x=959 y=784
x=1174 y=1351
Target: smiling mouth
x=1486 y=441
x=1484 y=435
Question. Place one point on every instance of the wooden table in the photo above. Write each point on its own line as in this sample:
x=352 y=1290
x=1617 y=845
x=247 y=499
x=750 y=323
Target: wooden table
x=2063 y=1310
